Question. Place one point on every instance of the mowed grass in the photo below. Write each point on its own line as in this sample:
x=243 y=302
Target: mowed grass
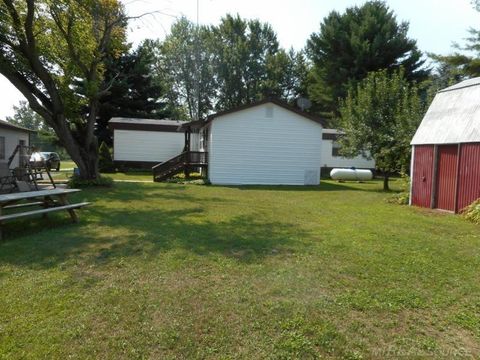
x=64 y=175
x=165 y=271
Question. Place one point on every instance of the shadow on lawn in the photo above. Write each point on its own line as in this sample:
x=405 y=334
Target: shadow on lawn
x=323 y=187
x=106 y=234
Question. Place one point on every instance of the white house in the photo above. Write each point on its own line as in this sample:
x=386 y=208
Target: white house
x=331 y=157
x=267 y=142
x=145 y=142
x=11 y=136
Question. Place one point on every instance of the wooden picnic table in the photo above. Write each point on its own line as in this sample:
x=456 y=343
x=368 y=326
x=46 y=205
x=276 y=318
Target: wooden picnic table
x=49 y=201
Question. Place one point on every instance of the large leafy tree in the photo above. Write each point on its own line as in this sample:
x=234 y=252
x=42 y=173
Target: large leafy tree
x=25 y=117
x=47 y=48
x=379 y=117
x=184 y=67
x=286 y=75
x=44 y=139
x=133 y=92
x=242 y=49
x=220 y=67
x=352 y=44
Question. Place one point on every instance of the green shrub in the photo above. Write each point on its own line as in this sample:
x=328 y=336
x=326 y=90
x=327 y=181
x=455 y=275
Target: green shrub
x=472 y=212
x=195 y=178
x=105 y=161
x=102 y=181
x=403 y=197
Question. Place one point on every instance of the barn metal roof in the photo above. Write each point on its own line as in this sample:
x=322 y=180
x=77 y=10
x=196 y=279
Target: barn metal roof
x=453 y=116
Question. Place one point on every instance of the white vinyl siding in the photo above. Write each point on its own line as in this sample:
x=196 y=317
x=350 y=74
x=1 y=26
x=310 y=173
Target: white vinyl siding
x=331 y=161
x=152 y=146
x=12 y=139
x=265 y=144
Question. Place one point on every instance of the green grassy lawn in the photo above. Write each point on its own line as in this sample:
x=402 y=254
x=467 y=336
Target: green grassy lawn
x=67 y=165
x=64 y=175
x=185 y=271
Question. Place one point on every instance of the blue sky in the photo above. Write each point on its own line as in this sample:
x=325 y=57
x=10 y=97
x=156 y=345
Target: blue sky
x=435 y=24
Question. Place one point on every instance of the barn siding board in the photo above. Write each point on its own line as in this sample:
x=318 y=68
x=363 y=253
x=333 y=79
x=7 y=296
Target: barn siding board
x=422 y=175
x=266 y=144
x=446 y=178
x=469 y=175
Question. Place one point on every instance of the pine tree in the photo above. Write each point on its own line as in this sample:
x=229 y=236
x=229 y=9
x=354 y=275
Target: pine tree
x=133 y=92
x=350 y=45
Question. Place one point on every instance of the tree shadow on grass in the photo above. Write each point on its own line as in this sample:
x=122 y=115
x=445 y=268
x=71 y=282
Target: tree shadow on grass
x=323 y=187
x=105 y=235
x=145 y=192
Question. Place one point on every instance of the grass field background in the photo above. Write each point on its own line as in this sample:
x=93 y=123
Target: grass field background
x=189 y=271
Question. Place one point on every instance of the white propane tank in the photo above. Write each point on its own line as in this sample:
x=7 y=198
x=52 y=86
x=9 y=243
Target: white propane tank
x=351 y=174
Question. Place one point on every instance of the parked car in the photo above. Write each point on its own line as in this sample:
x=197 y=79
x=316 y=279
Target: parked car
x=51 y=159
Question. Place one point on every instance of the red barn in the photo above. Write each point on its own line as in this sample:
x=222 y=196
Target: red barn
x=445 y=169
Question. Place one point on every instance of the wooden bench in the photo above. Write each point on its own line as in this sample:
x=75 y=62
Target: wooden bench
x=44 y=211
x=42 y=198
x=36 y=203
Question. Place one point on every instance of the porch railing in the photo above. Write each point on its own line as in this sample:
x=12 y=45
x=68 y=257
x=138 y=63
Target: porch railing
x=181 y=162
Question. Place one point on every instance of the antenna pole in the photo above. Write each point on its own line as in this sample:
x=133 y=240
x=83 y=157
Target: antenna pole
x=197 y=50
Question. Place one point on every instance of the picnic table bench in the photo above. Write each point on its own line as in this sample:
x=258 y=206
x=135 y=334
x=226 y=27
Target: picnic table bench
x=43 y=198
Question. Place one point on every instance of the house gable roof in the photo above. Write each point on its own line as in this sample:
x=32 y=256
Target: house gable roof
x=277 y=102
x=6 y=125
x=453 y=117
x=165 y=125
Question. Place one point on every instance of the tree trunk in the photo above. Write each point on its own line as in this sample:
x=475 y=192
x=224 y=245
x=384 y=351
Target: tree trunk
x=84 y=155
x=386 y=186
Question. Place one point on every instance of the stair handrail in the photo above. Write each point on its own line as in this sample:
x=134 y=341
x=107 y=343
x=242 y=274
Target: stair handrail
x=166 y=165
x=184 y=158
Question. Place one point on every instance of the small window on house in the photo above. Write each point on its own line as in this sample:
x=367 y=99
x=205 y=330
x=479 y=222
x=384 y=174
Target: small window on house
x=336 y=147
x=2 y=147
x=269 y=111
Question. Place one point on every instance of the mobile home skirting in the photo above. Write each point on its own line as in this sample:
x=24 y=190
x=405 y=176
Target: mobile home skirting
x=445 y=177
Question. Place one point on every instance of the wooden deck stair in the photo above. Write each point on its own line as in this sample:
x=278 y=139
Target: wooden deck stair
x=186 y=161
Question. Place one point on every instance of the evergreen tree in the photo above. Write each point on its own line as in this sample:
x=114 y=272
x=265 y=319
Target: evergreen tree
x=133 y=91
x=352 y=44
x=465 y=61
